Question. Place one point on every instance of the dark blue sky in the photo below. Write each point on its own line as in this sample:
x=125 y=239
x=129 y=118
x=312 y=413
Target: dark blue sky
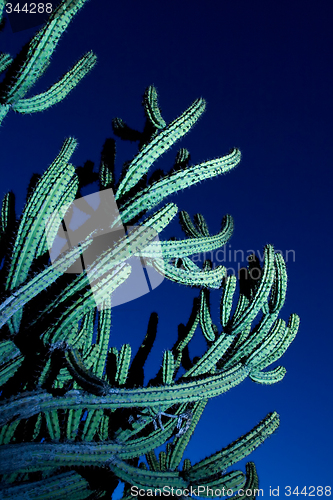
x=265 y=69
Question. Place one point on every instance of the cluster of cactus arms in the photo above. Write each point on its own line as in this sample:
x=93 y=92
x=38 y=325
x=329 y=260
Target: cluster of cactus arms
x=75 y=415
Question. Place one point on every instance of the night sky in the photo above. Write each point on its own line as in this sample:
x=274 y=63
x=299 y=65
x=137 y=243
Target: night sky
x=265 y=70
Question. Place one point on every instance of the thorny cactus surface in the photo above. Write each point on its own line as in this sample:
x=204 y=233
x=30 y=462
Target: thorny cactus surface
x=75 y=415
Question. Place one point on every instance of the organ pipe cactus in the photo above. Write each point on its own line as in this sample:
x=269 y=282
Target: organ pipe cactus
x=75 y=414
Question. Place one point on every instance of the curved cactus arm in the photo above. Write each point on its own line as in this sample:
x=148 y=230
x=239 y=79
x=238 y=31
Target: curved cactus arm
x=168 y=368
x=208 y=361
x=39 y=401
x=172 y=183
x=279 y=287
x=5 y=59
x=152 y=110
x=7 y=217
x=183 y=341
x=48 y=194
x=40 y=50
x=289 y=335
x=8 y=351
x=187 y=225
x=183 y=248
x=251 y=484
x=52 y=424
x=82 y=375
x=104 y=326
x=123 y=362
x=64 y=485
x=107 y=165
x=205 y=319
x=270 y=377
x=145 y=479
x=261 y=293
x=7 y=432
x=2 y=8
x=236 y=451
x=160 y=144
x=179 y=443
x=73 y=422
x=59 y=90
x=226 y=299
x=262 y=351
x=91 y=424
x=8 y=369
x=197 y=278
x=201 y=224
x=37 y=284
x=249 y=340
x=152 y=461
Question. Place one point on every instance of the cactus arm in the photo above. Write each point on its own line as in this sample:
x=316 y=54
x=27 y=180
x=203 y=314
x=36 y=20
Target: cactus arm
x=152 y=461
x=152 y=110
x=104 y=325
x=265 y=348
x=180 y=443
x=59 y=90
x=201 y=224
x=91 y=424
x=7 y=432
x=187 y=225
x=154 y=194
x=237 y=450
x=197 y=278
x=73 y=422
x=52 y=423
x=146 y=479
x=270 y=377
x=8 y=369
x=282 y=346
x=168 y=368
x=251 y=484
x=279 y=288
x=5 y=59
x=261 y=294
x=208 y=361
x=123 y=363
x=162 y=142
x=2 y=8
x=205 y=388
x=183 y=248
x=82 y=375
x=205 y=317
x=226 y=300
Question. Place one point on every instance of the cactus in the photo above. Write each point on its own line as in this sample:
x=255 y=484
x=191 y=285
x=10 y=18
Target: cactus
x=72 y=407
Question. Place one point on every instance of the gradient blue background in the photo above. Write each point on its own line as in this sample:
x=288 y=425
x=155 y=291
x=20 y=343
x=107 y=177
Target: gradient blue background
x=265 y=69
